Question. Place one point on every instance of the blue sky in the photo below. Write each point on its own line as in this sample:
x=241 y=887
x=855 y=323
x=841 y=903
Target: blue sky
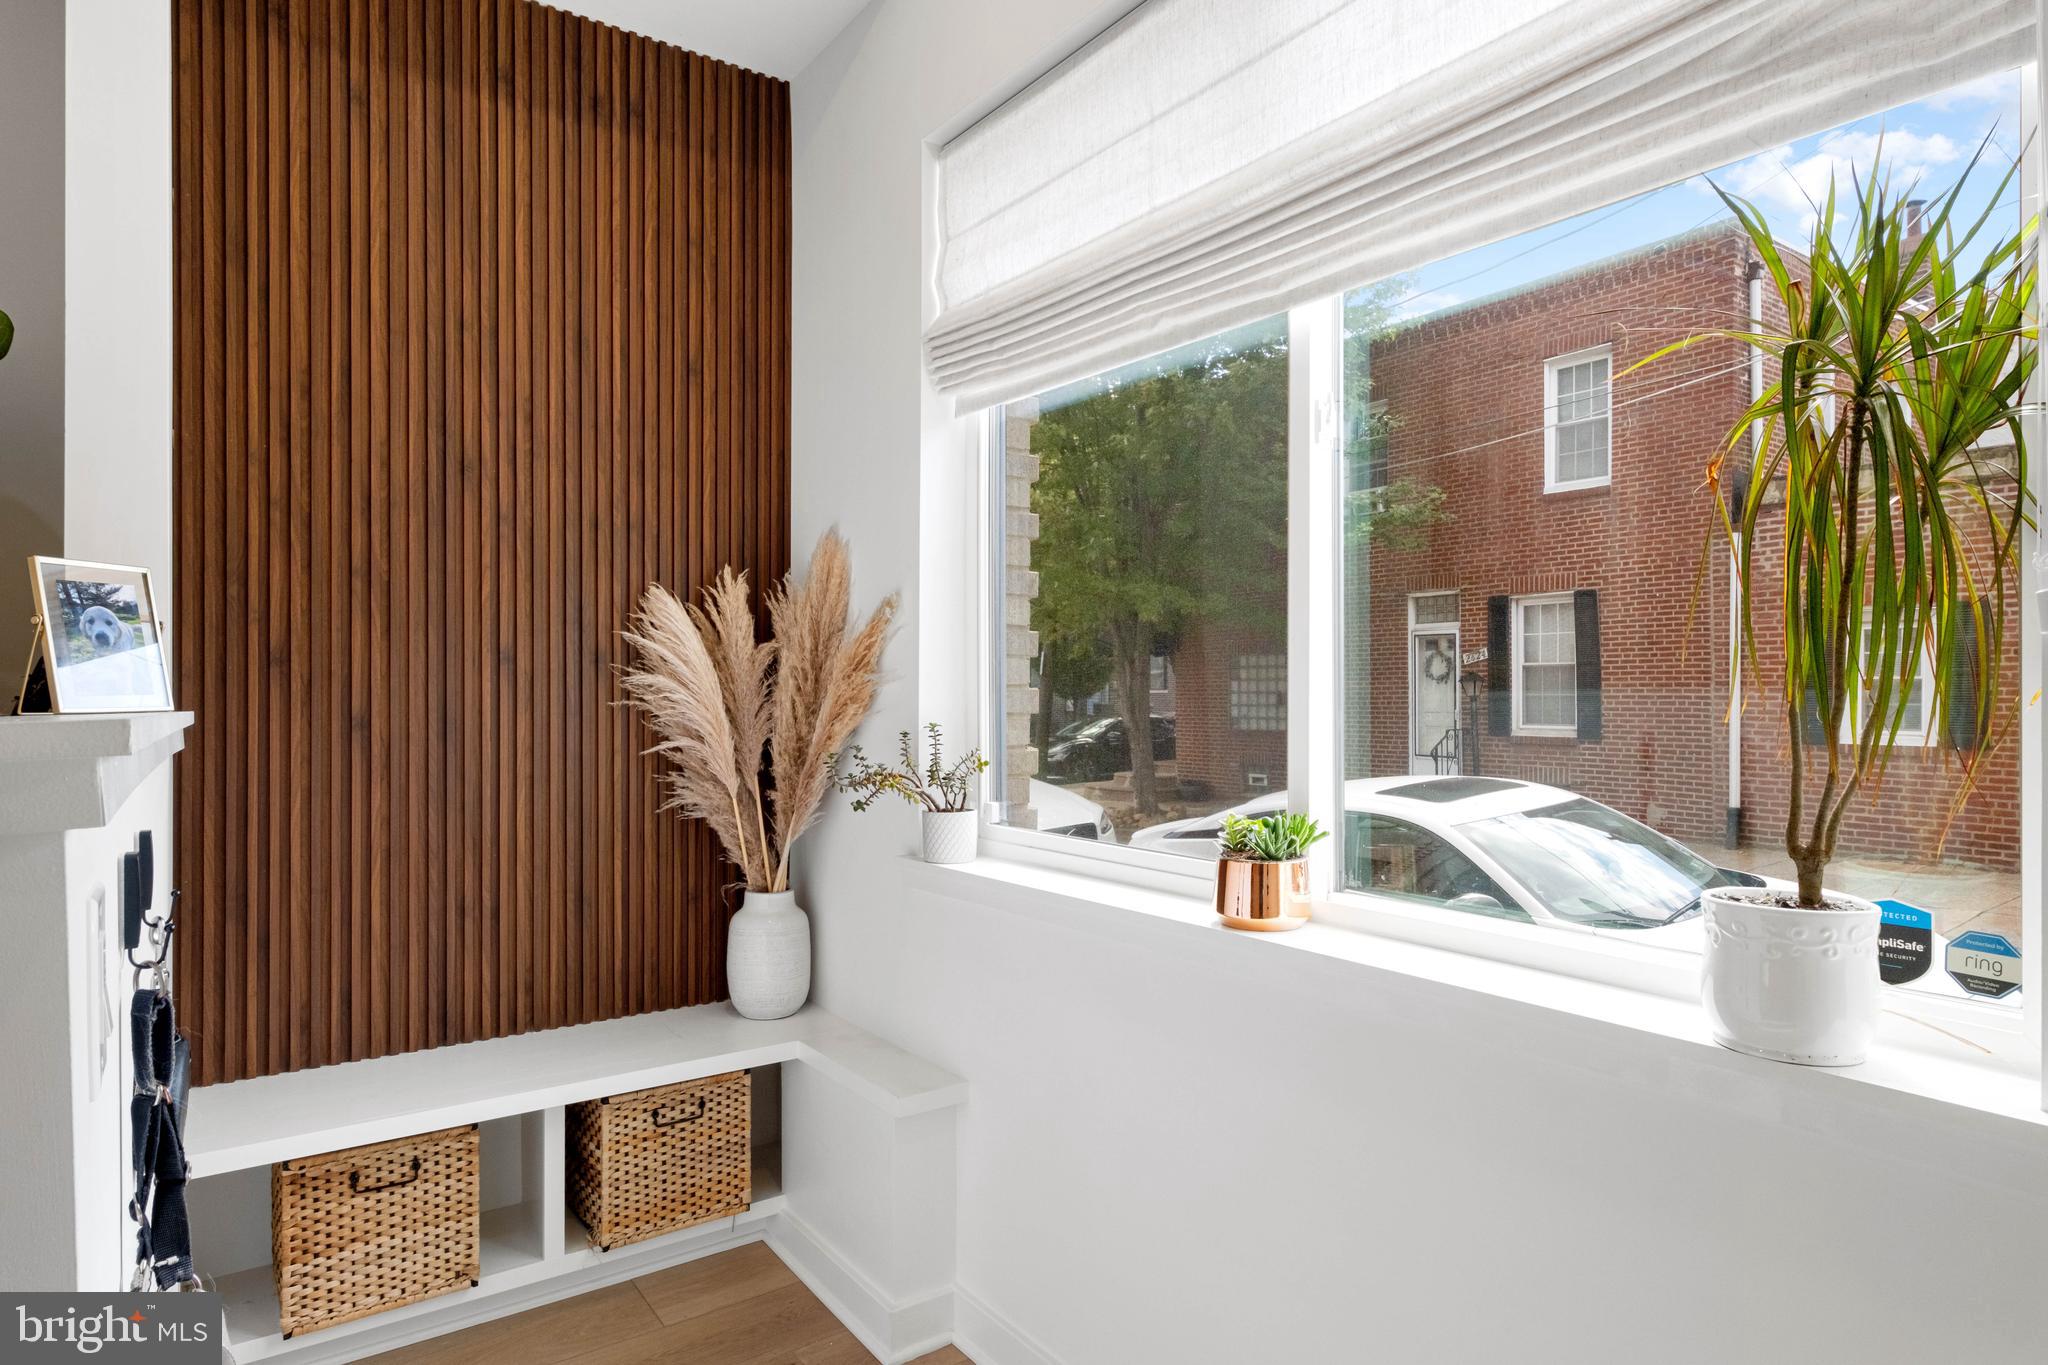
x=1930 y=140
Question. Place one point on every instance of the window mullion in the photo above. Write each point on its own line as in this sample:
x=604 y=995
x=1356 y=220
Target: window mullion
x=2033 y=735
x=1315 y=425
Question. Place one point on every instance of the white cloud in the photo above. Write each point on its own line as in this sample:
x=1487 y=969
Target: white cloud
x=2001 y=89
x=1788 y=188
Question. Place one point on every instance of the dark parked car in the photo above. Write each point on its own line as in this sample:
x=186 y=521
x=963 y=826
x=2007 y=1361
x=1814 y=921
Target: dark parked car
x=1102 y=749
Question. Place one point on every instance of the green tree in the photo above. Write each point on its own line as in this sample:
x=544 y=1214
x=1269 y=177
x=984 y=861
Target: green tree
x=1162 y=492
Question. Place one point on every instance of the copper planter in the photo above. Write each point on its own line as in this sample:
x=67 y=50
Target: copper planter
x=1263 y=896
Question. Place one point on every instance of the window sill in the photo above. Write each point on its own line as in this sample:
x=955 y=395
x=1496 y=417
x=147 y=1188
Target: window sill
x=1996 y=1074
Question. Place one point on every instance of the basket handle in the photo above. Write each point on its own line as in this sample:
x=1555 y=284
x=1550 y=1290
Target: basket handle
x=674 y=1119
x=356 y=1185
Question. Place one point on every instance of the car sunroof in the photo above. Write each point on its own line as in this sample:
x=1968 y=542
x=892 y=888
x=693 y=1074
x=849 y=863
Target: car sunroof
x=1451 y=788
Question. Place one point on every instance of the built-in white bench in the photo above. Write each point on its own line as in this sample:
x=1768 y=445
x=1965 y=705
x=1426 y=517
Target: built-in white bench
x=853 y=1186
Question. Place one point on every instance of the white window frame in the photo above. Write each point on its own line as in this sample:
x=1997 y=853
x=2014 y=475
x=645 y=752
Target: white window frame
x=1315 y=616
x=1516 y=636
x=1551 y=366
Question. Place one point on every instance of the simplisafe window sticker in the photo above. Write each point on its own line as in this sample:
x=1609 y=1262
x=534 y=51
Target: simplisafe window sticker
x=170 y=1329
x=1905 y=942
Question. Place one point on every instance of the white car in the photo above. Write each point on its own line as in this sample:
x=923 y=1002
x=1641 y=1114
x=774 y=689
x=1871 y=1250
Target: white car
x=1512 y=850
x=1061 y=810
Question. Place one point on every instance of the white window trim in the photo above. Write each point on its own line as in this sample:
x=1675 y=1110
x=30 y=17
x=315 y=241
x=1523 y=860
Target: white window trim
x=1515 y=637
x=1551 y=483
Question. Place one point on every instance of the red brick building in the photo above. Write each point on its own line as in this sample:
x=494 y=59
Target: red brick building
x=1577 y=576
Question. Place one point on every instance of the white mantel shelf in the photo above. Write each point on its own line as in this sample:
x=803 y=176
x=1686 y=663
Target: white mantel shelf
x=301 y=1113
x=74 y=772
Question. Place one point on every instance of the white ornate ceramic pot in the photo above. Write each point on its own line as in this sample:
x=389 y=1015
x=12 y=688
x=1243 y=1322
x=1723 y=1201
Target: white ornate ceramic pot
x=950 y=835
x=768 y=956
x=1790 y=984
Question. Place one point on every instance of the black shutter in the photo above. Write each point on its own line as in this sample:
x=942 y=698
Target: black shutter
x=1586 y=651
x=1965 y=717
x=1500 y=669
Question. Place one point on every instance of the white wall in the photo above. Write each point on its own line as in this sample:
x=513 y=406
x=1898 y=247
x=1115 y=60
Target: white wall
x=117 y=277
x=32 y=293
x=1178 y=1150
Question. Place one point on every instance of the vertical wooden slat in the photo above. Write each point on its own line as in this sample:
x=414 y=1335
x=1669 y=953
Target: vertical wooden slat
x=482 y=326
x=521 y=519
x=296 y=82
x=575 y=467
x=413 y=627
x=431 y=765
x=555 y=667
x=693 y=309
x=490 y=595
x=363 y=967
x=323 y=249
x=505 y=582
x=472 y=598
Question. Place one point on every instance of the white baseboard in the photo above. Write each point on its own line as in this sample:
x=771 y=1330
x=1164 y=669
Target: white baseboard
x=893 y=1330
x=989 y=1338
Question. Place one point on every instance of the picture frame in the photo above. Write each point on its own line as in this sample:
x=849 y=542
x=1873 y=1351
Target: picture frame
x=99 y=637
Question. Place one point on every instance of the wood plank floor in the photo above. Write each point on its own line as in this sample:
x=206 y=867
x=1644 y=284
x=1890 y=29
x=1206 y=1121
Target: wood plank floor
x=740 y=1307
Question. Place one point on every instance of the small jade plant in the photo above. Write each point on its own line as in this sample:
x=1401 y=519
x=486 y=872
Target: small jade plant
x=936 y=787
x=1270 y=838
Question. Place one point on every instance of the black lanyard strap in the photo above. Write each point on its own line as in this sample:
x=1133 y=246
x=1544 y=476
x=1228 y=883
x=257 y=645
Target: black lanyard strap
x=156 y=1112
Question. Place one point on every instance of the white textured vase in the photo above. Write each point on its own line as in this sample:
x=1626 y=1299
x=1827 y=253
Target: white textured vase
x=768 y=956
x=1788 y=984
x=950 y=835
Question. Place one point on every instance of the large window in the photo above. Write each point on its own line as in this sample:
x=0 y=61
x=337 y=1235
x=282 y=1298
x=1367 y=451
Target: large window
x=1611 y=768
x=1144 y=516
x=1537 y=721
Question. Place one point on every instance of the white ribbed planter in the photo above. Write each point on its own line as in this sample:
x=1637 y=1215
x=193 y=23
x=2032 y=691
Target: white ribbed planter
x=950 y=835
x=768 y=956
x=1788 y=984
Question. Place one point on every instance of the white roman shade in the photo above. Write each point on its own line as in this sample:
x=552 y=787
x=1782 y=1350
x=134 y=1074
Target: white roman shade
x=1205 y=163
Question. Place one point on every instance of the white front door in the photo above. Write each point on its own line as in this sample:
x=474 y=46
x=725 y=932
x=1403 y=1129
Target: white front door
x=1433 y=702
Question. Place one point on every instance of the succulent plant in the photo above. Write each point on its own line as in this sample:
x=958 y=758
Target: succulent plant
x=1268 y=839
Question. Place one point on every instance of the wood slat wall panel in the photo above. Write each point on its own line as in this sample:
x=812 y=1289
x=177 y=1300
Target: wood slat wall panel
x=482 y=325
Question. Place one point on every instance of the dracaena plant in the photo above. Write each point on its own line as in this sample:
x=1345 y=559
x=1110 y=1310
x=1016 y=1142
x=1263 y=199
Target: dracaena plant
x=1873 y=512
x=935 y=786
x=1268 y=839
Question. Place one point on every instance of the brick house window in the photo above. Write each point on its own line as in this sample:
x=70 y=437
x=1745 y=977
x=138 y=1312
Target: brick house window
x=1577 y=425
x=1366 y=453
x=1258 y=692
x=1913 y=727
x=1546 y=685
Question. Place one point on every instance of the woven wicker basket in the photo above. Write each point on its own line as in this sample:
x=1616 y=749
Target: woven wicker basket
x=661 y=1159
x=356 y=1232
